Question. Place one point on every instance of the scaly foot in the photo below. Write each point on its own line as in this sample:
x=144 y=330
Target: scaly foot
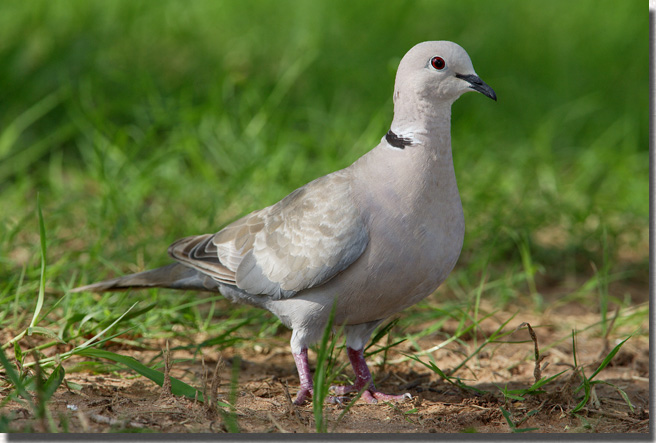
x=371 y=395
x=363 y=380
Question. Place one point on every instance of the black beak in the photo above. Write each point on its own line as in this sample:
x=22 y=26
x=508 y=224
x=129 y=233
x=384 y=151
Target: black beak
x=479 y=85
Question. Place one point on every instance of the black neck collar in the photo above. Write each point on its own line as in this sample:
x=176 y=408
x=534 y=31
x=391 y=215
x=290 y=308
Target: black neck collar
x=396 y=141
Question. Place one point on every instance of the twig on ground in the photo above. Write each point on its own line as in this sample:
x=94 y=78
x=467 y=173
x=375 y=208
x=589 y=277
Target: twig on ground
x=208 y=406
x=537 y=372
x=114 y=422
x=211 y=397
x=276 y=424
x=291 y=407
x=610 y=414
x=166 y=393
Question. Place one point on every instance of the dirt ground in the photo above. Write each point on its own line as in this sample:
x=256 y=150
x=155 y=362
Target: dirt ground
x=120 y=401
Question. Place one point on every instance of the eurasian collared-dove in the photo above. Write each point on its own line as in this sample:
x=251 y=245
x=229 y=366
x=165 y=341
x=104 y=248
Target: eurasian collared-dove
x=373 y=238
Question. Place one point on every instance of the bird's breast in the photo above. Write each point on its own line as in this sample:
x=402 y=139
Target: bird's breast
x=413 y=246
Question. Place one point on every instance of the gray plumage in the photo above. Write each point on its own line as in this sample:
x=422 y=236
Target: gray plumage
x=375 y=237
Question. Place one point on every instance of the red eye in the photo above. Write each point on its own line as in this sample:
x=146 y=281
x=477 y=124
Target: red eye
x=438 y=63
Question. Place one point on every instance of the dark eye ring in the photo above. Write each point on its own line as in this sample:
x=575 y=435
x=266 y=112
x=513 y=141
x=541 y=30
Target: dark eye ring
x=438 y=63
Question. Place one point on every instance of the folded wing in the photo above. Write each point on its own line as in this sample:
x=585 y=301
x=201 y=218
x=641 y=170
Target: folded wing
x=298 y=243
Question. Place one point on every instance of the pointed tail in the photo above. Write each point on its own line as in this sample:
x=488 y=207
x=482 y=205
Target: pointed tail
x=173 y=276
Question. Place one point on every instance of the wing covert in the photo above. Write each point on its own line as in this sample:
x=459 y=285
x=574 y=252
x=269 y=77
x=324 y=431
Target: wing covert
x=298 y=243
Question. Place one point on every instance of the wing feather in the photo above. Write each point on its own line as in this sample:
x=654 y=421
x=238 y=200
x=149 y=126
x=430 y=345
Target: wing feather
x=298 y=243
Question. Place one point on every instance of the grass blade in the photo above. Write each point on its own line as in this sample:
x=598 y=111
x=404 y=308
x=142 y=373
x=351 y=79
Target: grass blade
x=92 y=339
x=543 y=381
x=608 y=358
x=449 y=379
x=511 y=424
x=14 y=378
x=42 y=283
x=506 y=415
x=44 y=331
x=53 y=382
x=498 y=333
x=14 y=129
x=380 y=334
x=321 y=374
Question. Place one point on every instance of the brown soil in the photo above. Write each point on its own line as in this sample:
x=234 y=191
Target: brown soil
x=116 y=401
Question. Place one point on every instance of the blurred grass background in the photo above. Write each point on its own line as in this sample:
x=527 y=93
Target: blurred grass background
x=141 y=122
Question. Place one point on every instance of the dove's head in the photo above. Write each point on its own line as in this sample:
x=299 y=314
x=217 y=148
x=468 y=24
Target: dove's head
x=437 y=72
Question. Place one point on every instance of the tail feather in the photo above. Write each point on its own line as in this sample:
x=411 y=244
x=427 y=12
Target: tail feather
x=173 y=276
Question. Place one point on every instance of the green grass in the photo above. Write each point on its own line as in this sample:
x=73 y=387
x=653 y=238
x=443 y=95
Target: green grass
x=136 y=123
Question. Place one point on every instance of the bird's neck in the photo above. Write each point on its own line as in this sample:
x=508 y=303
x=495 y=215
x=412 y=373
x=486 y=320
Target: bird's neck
x=423 y=123
x=415 y=175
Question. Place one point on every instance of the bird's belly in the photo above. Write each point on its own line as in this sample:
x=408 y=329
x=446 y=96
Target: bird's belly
x=378 y=284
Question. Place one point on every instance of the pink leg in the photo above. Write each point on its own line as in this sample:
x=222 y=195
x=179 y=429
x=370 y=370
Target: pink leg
x=304 y=374
x=364 y=380
x=303 y=368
